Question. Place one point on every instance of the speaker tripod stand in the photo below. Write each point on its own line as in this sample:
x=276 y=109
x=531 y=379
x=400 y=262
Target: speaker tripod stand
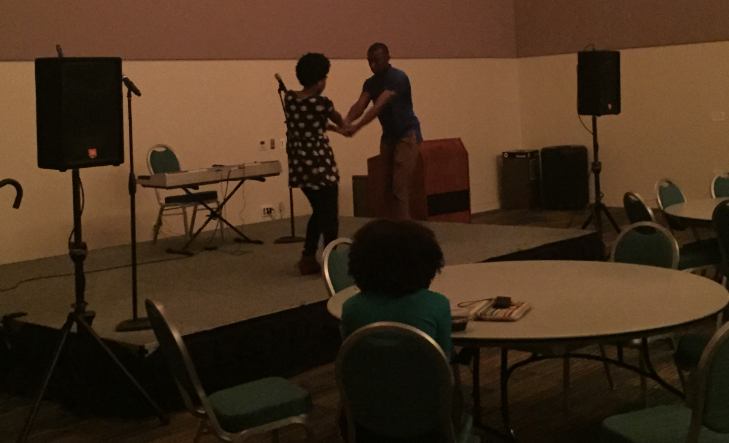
x=598 y=206
x=81 y=317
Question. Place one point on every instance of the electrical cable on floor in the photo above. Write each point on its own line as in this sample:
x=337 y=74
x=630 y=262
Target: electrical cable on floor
x=71 y=274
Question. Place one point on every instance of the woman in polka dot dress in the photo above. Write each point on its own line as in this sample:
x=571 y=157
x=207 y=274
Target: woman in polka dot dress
x=311 y=160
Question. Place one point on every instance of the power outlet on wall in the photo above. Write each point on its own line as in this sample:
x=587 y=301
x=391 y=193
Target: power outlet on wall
x=268 y=213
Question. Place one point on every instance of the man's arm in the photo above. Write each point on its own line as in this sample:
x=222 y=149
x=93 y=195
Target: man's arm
x=384 y=98
x=359 y=107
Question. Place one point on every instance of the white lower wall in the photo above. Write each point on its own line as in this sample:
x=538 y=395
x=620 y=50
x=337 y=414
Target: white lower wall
x=216 y=112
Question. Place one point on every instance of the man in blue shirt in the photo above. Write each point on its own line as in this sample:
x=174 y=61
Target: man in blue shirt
x=389 y=91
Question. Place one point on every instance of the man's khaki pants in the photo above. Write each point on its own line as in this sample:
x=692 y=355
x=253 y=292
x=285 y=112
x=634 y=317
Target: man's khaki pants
x=398 y=164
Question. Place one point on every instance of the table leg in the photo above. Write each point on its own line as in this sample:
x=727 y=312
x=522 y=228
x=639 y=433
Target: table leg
x=476 y=383
x=505 y=392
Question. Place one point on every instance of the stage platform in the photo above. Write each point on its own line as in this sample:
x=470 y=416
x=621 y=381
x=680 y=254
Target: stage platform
x=243 y=309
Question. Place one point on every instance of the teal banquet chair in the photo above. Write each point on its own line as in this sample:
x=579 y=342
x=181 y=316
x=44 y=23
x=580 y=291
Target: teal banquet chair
x=690 y=346
x=636 y=209
x=162 y=159
x=668 y=193
x=704 y=420
x=720 y=222
x=336 y=265
x=693 y=256
x=395 y=382
x=646 y=243
x=235 y=413
x=720 y=185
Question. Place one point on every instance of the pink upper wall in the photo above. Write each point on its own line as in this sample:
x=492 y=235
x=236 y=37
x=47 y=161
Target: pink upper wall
x=545 y=27
x=256 y=29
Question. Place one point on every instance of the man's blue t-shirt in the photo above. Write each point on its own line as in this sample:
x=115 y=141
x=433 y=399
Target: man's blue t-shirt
x=397 y=117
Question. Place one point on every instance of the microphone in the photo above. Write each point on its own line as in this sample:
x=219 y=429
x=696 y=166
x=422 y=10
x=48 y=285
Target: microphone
x=281 y=86
x=131 y=86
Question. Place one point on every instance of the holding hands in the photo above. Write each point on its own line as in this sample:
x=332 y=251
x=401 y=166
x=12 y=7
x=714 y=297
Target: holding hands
x=347 y=128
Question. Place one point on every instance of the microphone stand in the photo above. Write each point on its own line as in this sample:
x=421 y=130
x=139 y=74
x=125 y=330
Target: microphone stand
x=289 y=238
x=135 y=323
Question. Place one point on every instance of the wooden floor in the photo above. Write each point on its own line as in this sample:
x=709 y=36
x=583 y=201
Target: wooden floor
x=541 y=410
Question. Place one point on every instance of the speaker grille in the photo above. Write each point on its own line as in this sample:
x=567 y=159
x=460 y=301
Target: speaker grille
x=79 y=112
x=598 y=82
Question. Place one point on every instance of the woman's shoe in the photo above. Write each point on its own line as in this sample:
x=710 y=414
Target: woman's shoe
x=309 y=265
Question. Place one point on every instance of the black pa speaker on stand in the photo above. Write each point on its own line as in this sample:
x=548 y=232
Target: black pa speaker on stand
x=598 y=93
x=80 y=125
x=598 y=83
x=79 y=112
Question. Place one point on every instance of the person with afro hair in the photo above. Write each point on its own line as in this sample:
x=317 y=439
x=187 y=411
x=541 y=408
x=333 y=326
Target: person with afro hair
x=393 y=263
x=311 y=159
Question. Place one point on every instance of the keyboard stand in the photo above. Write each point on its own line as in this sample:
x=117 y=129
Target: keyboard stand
x=217 y=214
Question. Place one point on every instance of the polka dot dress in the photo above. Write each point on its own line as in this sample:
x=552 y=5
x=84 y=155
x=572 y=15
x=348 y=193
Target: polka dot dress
x=311 y=160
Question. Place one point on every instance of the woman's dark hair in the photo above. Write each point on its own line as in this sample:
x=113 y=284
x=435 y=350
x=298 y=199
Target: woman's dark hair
x=394 y=257
x=311 y=68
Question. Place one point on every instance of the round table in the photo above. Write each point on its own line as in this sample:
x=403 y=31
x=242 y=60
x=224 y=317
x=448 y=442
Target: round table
x=574 y=301
x=695 y=210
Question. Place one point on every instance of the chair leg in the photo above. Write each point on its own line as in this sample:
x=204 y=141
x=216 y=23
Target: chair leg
x=157 y=226
x=607 y=368
x=643 y=385
x=682 y=379
x=696 y=233
x=184 y=221
x=565 y=383
x=309 y=433
x=202 y=429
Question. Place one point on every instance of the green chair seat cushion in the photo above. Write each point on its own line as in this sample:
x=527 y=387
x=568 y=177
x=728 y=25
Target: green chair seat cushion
x=699 y=253
x=689 y=350
x=204 y=196
x=661 y=424
x=259 y=402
